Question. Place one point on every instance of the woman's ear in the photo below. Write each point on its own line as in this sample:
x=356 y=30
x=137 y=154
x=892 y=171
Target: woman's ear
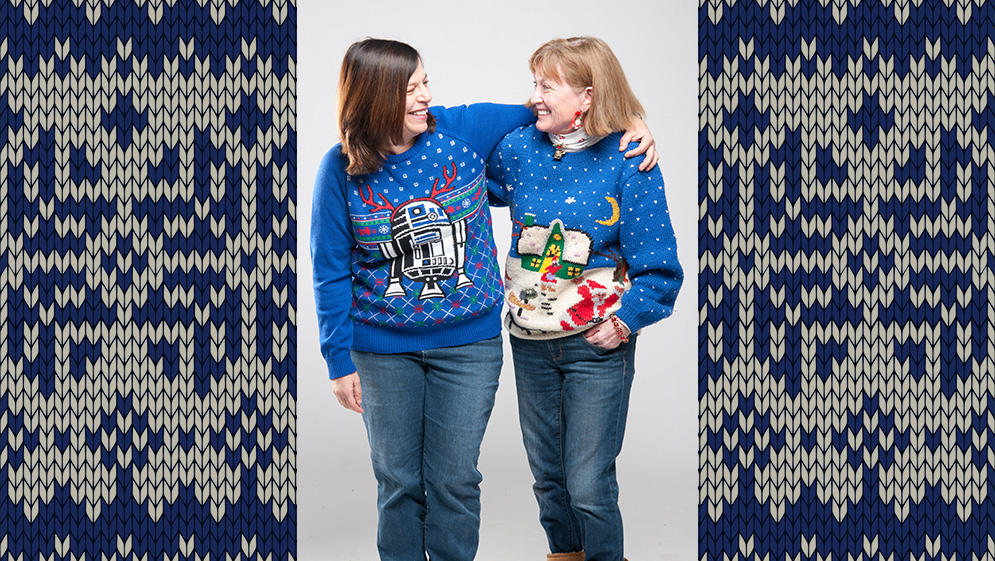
x=587 y=95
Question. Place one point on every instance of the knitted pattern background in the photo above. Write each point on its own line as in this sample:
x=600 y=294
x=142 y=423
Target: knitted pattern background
x=847 y=329
x=147 y=284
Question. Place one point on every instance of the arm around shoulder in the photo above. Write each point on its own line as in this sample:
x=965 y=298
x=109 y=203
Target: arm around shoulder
x=483 y=125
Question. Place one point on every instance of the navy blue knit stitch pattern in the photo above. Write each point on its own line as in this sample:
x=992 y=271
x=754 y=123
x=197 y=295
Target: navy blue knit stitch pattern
x=147 y=282
x=846 y=279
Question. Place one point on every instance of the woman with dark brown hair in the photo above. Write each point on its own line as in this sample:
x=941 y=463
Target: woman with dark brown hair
x=408 y=291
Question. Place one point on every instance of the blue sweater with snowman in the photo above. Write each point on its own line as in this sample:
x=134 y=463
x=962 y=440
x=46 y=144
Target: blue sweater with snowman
x=404 y=257
x=591 y=237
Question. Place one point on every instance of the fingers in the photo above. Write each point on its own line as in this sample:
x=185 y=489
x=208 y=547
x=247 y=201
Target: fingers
x=349 y=392
x=351 y=401
x=643 y=147
x=627 y=137
x=607 y=341
x=358 y=394
x=603 y=335
x=647 y=144
x=649 y=150
x=650 y=160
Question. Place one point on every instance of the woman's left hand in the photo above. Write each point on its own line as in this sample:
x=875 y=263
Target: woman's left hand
x=604 y=335
x=647 y=144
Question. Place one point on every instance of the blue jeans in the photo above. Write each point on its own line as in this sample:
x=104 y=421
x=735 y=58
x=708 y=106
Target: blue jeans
x=573 y=399
x=425 y=414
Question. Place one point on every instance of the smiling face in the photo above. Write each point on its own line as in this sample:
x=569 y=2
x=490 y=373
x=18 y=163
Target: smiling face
x=415 y=109
x=557 y=103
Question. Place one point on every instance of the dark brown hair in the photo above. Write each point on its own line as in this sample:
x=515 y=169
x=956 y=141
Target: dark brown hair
x=589 y=62
x=372 y=88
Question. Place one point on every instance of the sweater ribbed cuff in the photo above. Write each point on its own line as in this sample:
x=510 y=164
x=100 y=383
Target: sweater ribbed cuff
x=631 y=320
x=340 y=365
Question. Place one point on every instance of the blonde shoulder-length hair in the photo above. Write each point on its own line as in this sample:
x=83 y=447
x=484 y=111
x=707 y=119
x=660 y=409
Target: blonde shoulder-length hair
x=589 y=62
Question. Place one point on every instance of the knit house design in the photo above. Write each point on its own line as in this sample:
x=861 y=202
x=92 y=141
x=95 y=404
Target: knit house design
x=553 y=250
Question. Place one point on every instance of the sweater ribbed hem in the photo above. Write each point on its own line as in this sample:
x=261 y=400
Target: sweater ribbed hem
x=385 y=339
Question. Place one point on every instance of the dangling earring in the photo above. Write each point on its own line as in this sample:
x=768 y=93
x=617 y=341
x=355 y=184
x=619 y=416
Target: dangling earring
x=578 y=121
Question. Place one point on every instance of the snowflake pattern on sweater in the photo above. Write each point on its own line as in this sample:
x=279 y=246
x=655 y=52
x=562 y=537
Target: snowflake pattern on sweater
x=591 y=237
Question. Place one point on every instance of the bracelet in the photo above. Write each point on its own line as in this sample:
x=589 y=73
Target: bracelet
x=618 y=329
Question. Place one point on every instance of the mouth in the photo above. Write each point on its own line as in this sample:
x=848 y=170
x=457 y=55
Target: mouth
x=420 y=114
x=543 y=112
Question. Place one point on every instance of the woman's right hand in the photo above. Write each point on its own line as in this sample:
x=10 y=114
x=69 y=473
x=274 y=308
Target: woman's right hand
x=348 y=392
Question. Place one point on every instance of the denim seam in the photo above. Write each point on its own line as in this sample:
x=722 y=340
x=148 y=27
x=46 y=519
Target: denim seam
x=567 y=507
x=617 y=445
x=424 y=466
x=563 y=469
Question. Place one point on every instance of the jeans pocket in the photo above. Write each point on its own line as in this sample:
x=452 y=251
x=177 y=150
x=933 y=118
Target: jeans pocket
x=592 y=346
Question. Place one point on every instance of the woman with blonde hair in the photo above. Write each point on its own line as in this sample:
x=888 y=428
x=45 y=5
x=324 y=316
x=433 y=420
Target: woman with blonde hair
x=593 y=260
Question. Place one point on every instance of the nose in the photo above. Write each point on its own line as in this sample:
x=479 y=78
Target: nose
x=424 y=94
x=536 y=97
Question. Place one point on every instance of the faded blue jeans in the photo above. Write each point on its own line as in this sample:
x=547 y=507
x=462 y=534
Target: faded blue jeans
x=425 y=414
x=573 y=399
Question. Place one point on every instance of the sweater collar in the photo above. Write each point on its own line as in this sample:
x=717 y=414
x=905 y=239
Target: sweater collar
x=572 y=142
x=408 y=154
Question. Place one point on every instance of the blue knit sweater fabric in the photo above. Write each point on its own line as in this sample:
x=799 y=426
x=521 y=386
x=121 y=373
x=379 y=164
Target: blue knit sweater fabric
x=591 y=237
x=404 y=257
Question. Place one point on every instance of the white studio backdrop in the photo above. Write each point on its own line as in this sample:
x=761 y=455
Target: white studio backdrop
x=478 y=51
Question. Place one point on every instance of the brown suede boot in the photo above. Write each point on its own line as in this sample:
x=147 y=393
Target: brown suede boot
x=572 y=556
